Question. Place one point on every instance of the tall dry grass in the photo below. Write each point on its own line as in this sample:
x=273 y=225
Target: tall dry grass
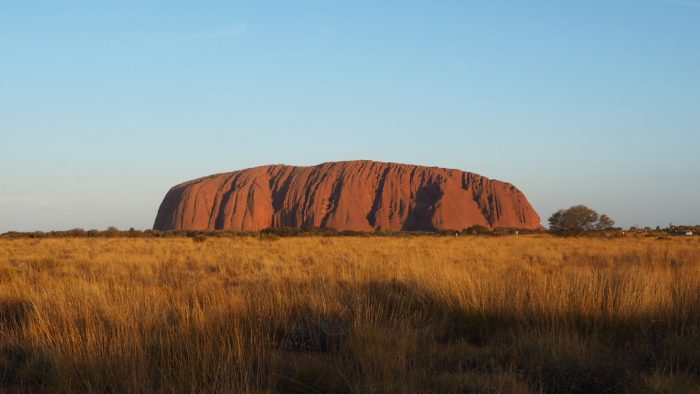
x=422 y=314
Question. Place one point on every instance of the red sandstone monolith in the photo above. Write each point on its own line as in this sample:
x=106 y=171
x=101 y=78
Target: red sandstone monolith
x=352 y=195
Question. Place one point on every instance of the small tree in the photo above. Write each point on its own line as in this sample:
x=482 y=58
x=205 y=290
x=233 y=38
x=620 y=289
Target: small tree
x=604 y=223
x=577 y=220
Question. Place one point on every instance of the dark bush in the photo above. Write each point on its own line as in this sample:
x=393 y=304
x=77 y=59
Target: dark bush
x=476 y=230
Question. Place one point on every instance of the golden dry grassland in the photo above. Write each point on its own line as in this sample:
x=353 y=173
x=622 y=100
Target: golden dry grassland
x=514 y=314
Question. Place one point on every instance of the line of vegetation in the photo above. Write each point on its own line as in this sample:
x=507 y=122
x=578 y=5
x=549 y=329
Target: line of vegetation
x=113 y=232
x=279 y=232
x=265 y=233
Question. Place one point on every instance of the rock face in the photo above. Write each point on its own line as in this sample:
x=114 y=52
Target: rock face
x=353 y=195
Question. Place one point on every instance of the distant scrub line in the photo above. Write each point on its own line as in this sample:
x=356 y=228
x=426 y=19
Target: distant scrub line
x=269 y=232
x=330 y=232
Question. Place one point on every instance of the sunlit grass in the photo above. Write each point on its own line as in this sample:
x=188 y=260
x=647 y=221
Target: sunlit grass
x=351 y=314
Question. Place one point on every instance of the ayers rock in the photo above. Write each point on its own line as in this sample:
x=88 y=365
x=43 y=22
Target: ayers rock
x=352 y=195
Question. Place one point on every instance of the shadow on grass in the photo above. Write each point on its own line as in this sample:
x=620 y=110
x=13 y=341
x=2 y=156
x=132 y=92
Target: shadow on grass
x=390 y=335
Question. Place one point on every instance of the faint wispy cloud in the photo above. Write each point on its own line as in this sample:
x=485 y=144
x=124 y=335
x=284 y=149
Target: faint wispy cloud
x=217 y=34
x=27 y=200
x=52 y=200
x=682 y=3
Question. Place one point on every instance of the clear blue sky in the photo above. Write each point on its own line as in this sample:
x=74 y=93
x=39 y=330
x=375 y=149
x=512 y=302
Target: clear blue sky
x=106 y=105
